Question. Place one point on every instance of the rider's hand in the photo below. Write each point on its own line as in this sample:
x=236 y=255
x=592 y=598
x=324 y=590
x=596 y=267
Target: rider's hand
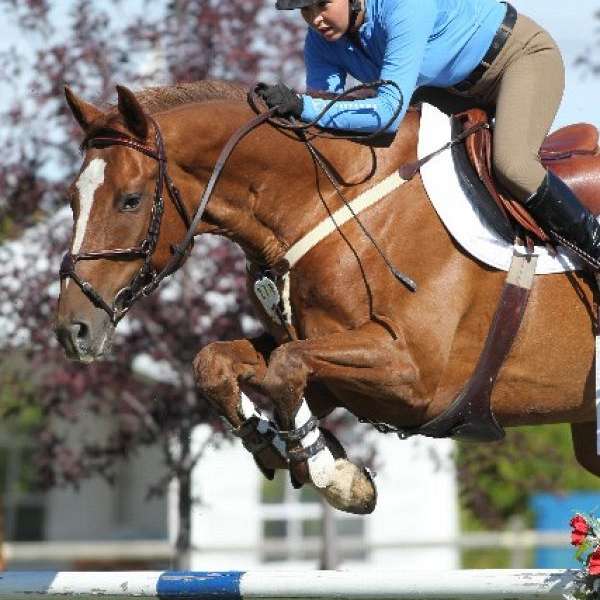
x=287 y=101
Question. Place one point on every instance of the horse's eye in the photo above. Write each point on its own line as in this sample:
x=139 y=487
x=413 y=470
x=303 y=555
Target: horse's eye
x=131 y=201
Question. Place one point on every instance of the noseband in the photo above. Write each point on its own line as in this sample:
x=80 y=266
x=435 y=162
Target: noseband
x=148 y=278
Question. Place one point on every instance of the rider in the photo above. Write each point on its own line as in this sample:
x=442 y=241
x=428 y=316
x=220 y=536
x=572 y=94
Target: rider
x=455 y=54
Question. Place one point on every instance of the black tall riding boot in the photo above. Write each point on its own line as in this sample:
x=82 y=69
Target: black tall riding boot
x=558 y=211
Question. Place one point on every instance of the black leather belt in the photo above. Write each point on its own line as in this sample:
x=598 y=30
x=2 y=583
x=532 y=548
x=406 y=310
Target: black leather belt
x=498 y=42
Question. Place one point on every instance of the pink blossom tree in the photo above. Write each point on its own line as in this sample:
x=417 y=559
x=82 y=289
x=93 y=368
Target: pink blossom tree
x=91 y=46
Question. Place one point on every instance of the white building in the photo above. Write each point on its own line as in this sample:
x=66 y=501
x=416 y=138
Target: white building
x=242 y=521
x=246 y=522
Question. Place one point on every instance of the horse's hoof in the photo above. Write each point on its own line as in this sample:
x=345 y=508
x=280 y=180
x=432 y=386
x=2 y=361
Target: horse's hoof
x=352 y=490
x=266 y=471
x=296 y=484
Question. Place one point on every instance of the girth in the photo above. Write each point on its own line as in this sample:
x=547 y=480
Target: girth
x=571 y=153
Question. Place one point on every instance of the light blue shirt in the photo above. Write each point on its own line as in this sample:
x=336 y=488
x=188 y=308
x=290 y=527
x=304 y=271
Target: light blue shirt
x=411 y=42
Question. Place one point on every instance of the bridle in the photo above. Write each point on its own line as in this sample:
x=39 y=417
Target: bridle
x=148 y=278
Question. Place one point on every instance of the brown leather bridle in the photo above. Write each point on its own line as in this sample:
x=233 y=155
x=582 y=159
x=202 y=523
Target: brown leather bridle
x=145 y=280
x=148 y=278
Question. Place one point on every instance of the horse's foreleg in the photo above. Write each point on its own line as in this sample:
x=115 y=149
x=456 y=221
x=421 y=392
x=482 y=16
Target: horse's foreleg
x=364 y=359
x=223 y=371
x=584 y=444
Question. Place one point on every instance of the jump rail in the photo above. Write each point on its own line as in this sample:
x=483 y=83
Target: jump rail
x=501 y=584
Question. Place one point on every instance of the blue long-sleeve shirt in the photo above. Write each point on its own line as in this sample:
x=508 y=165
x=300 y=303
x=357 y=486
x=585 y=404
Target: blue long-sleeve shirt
x=411 y=42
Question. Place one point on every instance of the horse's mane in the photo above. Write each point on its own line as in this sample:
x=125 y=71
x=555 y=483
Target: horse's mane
x=162 y=98
x=158 y=99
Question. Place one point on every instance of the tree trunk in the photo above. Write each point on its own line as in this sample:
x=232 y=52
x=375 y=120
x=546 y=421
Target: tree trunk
x=2 y=560
x=183 y=545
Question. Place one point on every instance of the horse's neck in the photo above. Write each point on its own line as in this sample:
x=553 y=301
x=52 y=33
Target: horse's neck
x=271 y=193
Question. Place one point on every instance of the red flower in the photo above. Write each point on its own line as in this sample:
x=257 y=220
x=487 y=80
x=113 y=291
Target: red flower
x=594 y=562
x=580 y=530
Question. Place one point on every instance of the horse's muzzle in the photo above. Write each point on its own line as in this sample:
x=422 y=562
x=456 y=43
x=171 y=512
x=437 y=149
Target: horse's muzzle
x=77 y=339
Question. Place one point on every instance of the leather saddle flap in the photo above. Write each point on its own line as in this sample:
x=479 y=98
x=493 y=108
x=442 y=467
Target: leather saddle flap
x=571 y=153
x=580 y=138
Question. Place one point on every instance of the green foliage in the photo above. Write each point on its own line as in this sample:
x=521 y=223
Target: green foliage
x=485 y=558
x=19 y=413
x=497 y=480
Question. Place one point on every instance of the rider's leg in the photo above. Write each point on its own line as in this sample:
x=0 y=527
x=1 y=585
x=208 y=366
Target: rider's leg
x=528 y=94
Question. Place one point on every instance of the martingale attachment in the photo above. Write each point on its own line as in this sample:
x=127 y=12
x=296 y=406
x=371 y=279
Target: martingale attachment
x=267 y=294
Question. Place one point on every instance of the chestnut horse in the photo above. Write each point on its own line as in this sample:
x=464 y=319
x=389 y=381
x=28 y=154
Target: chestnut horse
x=356 y=337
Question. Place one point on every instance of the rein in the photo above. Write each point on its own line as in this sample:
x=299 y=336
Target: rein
x=148 y=278
x=301 y=130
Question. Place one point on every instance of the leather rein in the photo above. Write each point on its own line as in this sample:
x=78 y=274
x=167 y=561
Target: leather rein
x=148 y=278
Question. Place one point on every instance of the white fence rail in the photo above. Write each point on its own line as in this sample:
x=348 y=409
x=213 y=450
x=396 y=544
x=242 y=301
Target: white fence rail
x=314 y=585
x=158 y=550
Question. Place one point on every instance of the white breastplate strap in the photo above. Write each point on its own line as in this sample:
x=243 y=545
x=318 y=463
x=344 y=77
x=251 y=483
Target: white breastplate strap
x=329 y=225
x=341 y=216
x=320 y=232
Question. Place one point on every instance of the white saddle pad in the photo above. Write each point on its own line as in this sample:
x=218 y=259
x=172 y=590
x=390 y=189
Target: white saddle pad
x=455 y=210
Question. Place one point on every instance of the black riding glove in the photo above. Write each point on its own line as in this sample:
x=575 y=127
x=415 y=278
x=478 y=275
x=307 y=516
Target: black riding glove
x=287 y=101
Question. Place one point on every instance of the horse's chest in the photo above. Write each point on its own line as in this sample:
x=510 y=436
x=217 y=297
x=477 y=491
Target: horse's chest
x=324 y=304
x=313 y=305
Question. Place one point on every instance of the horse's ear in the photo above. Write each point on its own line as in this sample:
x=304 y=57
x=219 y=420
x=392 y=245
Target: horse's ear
x=133 y=113
x=84 y=112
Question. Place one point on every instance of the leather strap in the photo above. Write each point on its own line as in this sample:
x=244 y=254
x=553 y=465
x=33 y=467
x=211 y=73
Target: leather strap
x=470 y=416
x=299 y=455
x=295 y=435
x=408 y=170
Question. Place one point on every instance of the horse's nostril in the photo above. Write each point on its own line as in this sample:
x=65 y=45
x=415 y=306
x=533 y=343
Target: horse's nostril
x=74 y=337
x=80 y=332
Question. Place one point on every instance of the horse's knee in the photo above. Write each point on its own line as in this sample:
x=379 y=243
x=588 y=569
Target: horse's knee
x=212 y=370
x=286 y=374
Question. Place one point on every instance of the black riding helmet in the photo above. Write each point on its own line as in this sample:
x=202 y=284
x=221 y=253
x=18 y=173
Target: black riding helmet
x=355 y=6
x=292 y=4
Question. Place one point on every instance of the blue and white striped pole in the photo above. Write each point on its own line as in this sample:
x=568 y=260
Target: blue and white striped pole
x=258 y=585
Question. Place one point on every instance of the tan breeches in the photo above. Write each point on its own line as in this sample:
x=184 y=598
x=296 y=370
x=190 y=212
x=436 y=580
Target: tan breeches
x=523 y=88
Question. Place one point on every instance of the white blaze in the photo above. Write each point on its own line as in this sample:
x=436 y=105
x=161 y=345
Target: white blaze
x=87 y=184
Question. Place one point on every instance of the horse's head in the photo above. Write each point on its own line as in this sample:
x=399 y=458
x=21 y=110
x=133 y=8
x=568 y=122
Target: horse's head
x=121 y=239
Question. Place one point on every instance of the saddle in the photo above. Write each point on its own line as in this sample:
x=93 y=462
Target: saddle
x=571 y=153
